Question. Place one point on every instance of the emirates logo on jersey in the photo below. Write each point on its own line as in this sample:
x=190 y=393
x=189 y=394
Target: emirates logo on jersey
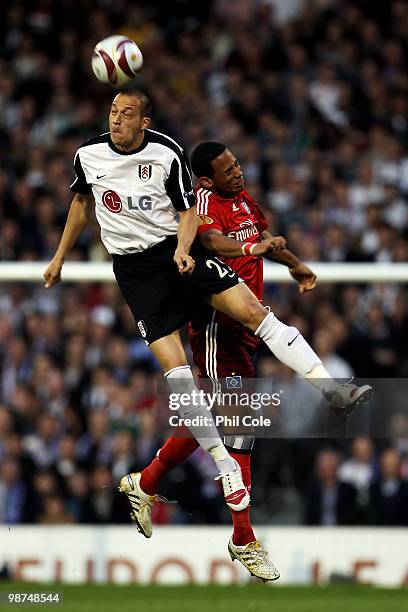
x=244 y=234
x=111 y=200
x=145 y=172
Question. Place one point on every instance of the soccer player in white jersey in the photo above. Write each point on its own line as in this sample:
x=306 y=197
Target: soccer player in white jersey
x=139 y=182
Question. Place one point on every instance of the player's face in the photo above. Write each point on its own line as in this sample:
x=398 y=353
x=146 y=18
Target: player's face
x=227 y=174
x=126 y=122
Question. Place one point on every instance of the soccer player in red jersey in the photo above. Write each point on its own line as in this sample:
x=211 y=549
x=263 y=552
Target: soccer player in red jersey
x=233 y=227
x=229 y=216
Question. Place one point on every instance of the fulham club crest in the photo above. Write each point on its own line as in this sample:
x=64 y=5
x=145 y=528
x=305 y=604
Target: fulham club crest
x=145 y=172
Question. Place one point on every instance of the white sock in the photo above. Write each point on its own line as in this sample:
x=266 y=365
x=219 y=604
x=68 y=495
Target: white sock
x=288 y=345
x=181 y=382
x=223 y=460
x=321 y=379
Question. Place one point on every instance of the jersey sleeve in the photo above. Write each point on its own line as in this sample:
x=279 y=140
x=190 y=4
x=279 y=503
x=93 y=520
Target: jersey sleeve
x=79 y=184
x=179 y=187
x=207 y=212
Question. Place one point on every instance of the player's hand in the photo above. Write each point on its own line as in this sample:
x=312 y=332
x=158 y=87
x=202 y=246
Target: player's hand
x=304 y=276
x=273 y=244
x=52 y=274
x=185 y=263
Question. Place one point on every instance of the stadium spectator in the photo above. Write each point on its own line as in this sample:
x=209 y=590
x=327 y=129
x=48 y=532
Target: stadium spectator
x=359 y=470
x=42 y=444
x=77 y=496
x=13 y=493
x=325 y=344
x=105 y=504
x=389 y=492
x=399 y=435
x=329 y=501
x=55 y=512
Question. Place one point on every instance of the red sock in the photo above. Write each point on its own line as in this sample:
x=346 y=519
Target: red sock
x=173 y=452
x=243 y=533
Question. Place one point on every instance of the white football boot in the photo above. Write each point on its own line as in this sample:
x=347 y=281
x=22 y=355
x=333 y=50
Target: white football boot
x=255 y=559
x=141 y=503
x=347 y=397
x=235 y=492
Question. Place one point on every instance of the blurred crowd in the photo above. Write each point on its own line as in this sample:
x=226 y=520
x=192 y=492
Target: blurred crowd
x=312 y=96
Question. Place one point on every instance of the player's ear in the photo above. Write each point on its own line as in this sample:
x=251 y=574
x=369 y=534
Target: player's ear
x=206 y=182
x=145 y=123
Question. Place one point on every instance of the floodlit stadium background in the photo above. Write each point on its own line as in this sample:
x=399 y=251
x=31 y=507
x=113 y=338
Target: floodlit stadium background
x=313 y=99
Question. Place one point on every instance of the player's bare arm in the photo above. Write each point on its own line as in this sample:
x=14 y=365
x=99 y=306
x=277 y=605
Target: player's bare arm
x=79 y=216
x=215 y=241
x=298 y=270
x=186 y=233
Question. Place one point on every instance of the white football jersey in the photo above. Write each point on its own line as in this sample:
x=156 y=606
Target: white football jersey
x=137 y=193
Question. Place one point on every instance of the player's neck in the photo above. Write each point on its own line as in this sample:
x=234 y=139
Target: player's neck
x=228 y=195
x=135 y=144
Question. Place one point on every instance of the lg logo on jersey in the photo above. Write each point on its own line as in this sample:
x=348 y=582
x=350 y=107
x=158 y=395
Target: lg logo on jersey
x=143 y=203
x=112 y=201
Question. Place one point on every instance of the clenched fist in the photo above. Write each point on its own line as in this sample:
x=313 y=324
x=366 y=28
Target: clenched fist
x=52 y=275
x=269 y=245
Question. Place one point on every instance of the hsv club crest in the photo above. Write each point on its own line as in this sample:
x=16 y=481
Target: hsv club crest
x=246 y=207
x=145 y=172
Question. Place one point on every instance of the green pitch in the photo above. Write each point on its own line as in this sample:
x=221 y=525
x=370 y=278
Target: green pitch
x=250 y=598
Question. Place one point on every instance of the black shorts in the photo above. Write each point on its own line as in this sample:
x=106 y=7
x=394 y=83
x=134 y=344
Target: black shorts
x=161 y=300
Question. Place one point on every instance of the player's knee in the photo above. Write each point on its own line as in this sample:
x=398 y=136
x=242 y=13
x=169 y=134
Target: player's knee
x=241 y=443
x=179 y=371
x=180 y=380
x=255 y=313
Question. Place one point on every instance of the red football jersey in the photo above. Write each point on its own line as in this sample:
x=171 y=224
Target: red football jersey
x=238 y=217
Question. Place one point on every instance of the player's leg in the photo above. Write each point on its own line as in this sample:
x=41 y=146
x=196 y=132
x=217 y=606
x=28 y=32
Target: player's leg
x=241 y=304
x=287 y=344
x=147 y=283
x=157 y=302
x=230 y=296
x=218 y=352
x=170 y=354
x=243 y=545
x=174 y=451
x=222 y=351
x=180 y=445
x=240 y=447
x=177 y=448
x=212 y=350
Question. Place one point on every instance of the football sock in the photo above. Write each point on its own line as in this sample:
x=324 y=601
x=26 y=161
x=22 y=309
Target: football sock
x=181 y=383
x=223 y=460
x=173 y=452
x=321 y=379
x=288 y=345
x=243 y=532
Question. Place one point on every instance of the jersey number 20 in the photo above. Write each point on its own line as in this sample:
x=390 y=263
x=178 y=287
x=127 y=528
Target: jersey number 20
x=222 y=268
